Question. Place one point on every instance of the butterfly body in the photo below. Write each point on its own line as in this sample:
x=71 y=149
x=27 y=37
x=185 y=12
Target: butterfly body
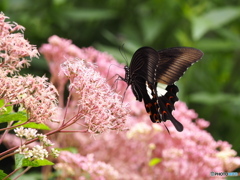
x=149 y=69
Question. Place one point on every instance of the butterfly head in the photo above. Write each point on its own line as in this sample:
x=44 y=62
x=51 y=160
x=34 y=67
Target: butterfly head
x=127 y=76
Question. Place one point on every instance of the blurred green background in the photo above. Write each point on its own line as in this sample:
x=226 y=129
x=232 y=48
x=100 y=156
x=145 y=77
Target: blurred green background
x=211 y=86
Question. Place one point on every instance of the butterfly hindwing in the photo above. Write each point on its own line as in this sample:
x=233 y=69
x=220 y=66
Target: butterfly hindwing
x=167 y=106
x=160 y=107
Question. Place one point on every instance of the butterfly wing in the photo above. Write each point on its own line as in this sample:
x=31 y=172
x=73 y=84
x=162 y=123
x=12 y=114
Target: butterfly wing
x=166 y=104
x=141 y=70
x=174 y=62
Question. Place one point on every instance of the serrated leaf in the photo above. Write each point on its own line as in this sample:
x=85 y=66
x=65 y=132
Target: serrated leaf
x=3 y=175
x=37 y=163
x=18 y=160
x=19 y=116
x=154 y=161
x=33 y=125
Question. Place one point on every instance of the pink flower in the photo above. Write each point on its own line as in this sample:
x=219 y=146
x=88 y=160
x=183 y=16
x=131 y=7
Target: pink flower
x=87 y=167
x=36 y=95
x=59 y=50
x=56 y=52
x=13 y=47
x=99 y=107
x=191 y=154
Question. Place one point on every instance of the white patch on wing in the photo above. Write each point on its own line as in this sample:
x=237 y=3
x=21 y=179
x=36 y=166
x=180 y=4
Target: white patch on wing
x=149 y=91
x=161 y=89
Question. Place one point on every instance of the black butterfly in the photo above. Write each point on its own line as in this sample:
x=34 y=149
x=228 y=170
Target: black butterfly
x=149 y=69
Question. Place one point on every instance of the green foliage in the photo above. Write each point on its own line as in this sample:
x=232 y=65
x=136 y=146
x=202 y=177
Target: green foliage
x=19 y=116
x=33 y=125
x=36 y=163
x=20 y=161
x=213 y=20
x=2 y=175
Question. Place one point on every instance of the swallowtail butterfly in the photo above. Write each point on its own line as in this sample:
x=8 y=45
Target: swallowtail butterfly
x=152 y=74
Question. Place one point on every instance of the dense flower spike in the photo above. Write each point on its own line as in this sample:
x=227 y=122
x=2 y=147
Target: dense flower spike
x=14 y=49
x=98 y=105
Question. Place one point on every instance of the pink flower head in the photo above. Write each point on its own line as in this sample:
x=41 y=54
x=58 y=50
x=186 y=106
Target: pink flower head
x=14 y=49
x=36 y=95
x=97 y=104
x=56 y=52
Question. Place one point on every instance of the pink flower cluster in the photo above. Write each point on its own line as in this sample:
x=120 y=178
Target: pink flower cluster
x=87 y=167
x=13 y=47
x=35 y=94
x=58 y=50
x=92 y=101
x=191 y=154
x=97 y=105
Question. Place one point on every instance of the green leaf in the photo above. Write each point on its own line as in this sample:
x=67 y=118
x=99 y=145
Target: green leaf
x=8 y=108
x=154 y=161
x=36 y=163
x=212 y=20
x=1 y=102
x=33 y=125
x=3 y=175
x=70 y=149
x=18 y=160
x=19 y=116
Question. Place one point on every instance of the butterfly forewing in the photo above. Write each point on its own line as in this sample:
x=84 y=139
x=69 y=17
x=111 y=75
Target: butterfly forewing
x=174 y=62
x=143 y=64
x=140 y=71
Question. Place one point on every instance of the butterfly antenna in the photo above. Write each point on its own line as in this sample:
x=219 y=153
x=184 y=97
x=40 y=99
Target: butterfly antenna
x=123 y=54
